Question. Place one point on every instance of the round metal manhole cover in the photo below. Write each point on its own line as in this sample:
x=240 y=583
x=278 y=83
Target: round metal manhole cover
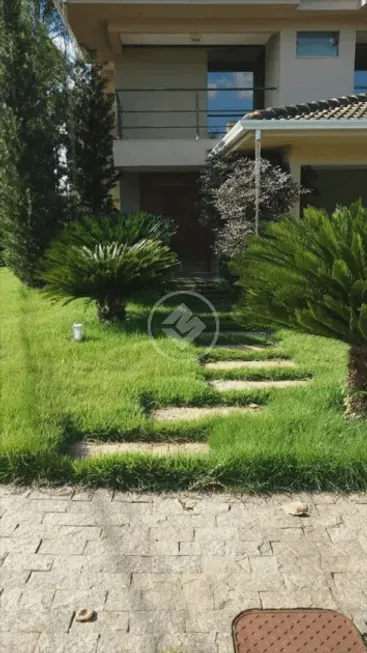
x=295 y=631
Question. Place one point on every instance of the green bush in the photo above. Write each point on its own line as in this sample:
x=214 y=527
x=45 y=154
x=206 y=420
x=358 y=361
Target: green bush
x=109 y=260
x=310 y=275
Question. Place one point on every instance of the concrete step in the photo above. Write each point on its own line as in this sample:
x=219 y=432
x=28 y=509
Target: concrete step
x=174 y=413
x=227 y=385
x=250 y=365
x=95 y=449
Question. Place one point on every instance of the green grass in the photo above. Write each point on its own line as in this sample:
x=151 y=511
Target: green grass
x=55 y=391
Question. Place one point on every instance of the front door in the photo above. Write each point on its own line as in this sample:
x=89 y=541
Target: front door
x=175 y=196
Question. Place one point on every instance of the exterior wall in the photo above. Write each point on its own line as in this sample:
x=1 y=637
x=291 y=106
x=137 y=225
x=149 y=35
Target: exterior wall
x=302 y=79
x=272 y=70
x=176 y=153
x=167 y=68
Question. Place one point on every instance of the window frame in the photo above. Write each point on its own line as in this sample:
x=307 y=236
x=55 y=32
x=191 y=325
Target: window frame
x=328 y=34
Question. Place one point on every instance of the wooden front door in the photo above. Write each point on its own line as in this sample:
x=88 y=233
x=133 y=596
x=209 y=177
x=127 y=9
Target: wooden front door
x=175 y=196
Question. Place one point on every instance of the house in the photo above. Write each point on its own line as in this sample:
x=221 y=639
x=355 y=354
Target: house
x=182 y=70
x=324 y=144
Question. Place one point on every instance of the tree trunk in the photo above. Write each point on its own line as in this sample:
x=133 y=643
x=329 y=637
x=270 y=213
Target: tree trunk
x=357 y=381
x=110 y=310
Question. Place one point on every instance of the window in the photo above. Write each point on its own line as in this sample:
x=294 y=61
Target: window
x=230 y=96
x=317 y=44
x=360 y=69
x=360 y=81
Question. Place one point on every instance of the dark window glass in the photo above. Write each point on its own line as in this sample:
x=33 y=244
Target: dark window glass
x=317 y=44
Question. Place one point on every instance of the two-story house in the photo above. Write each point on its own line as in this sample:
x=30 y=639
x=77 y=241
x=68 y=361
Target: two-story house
x=183 y=70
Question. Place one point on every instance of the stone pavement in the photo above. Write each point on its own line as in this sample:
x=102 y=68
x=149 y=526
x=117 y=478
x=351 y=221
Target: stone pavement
x=168 y=573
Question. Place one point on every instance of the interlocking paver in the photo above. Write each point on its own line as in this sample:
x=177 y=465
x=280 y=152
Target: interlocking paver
x=169 y=571
x=16 y=642
x=70 y=643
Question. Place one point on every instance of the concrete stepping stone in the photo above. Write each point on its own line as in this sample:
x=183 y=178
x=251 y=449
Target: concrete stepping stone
x=191 y=413
x=243 y=347
x=251 y=385
x=93 y=449
x=251 y=365
x=225 y=332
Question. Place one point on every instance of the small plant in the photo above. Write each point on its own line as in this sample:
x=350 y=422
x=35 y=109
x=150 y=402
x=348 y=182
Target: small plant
x=310 y=275
x=109 y=260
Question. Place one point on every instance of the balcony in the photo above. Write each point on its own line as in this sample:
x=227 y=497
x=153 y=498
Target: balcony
x=189 y=120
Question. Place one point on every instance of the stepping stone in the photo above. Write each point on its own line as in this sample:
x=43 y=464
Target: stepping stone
x=251 y=365
x=254 y=334
x=243 y=347
x=252 y=385
x=190 y=413
x=93 y=449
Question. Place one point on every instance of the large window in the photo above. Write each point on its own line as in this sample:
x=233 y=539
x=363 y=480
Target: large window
x=236 y=79
x=360 y=81
x=230 y=96
x=360 y=72
x=317 y=44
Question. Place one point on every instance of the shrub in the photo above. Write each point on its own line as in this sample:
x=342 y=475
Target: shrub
x=109 y=260
x=310 y=275
x=235 y=201
x=228 y=199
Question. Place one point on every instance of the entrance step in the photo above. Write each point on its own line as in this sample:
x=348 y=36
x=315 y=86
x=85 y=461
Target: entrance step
x=251 y=385
x=250 y=365
x=94 y=449
x=191 y=413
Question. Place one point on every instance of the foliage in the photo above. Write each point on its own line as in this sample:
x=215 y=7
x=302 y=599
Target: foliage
x=33 y=114
x=109 y=260
x=120 y=228
x=58 y=391
x=215 y=173
x=228 y=198
x=311 y=275
x=92 y=120
x=235 y=202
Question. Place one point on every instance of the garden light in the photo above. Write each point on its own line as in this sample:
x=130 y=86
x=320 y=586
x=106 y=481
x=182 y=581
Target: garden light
x=78 y=334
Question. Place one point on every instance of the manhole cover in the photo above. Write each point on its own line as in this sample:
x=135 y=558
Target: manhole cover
x=295 y=631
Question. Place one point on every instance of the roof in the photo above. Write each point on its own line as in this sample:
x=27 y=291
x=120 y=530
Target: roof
x=349 y=107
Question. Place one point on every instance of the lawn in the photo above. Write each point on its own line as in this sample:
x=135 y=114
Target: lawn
x=55 y=391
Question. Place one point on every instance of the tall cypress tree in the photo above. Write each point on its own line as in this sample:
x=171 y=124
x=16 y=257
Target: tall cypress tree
x=92 y=171
x=9 y=181
x=34 y=115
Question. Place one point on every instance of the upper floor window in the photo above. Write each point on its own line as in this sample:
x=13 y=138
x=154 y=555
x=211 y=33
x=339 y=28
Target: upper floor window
x=317 y=44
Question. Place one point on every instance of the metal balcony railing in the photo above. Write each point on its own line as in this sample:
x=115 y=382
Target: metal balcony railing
x=183 y=112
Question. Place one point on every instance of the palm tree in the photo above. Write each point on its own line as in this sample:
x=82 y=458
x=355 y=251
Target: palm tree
x=310 y=275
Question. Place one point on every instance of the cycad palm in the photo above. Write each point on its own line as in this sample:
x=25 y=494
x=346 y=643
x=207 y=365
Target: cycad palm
x=310 y=275
x=109 y=260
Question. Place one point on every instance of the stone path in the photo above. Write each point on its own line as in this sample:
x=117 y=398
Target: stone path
x=192 y=412
x=253 y=385
x=88 y=449
x=271 y=364
x=169 y=573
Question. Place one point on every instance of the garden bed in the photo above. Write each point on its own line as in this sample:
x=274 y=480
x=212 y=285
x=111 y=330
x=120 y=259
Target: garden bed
x=57 y=392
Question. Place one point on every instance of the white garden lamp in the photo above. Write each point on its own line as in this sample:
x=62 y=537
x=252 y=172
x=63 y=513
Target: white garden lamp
x=78 y=333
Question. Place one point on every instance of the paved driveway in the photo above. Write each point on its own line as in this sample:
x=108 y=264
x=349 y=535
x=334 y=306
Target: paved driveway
x=169 y=573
